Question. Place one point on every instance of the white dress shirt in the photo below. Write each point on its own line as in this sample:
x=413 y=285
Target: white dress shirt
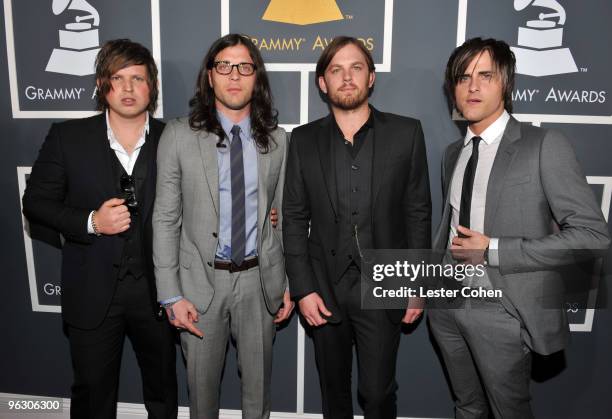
x=491 y=137
x=126 y=159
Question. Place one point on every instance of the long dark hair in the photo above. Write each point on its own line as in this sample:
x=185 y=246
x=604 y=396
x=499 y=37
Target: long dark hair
x=501 y=56
x=203 y=113
x=116 y=55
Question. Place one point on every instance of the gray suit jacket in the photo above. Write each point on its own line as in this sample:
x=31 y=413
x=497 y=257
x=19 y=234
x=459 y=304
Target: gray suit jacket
x=541 y=208
x=186 y=216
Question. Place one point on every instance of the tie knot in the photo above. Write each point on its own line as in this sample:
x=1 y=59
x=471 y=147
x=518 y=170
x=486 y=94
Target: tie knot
x=476 y=140
x=235 y=130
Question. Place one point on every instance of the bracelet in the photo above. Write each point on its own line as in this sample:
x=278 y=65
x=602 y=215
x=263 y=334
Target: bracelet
x=93 y=224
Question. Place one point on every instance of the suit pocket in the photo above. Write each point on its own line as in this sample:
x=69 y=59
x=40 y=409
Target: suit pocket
x=518 y=180
x=185 y=258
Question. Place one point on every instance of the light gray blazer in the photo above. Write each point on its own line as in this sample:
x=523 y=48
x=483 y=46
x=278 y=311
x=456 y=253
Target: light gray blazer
x=540 y=206
x=186 y=216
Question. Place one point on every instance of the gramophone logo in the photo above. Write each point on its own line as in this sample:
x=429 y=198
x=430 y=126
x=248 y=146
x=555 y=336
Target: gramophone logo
x=540 y=51
x=302 y=12
x=79 y=42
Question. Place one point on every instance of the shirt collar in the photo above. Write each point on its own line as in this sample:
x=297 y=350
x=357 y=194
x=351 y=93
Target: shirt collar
x=369 y=123
x=227 y=124
x=493 y=133
x=111 y=135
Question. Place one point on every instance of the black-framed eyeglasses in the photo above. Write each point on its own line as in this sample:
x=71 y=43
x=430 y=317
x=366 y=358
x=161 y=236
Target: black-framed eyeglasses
x=225 y=68
x=128 y=190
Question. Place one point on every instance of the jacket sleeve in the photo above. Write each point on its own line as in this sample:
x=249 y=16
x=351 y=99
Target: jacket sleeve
x=45 y=195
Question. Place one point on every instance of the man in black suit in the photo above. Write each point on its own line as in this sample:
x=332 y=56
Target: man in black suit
x=94 y=183
x=358 y=179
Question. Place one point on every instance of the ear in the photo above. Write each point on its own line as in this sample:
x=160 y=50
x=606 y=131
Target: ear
x=322 y=84
x=372 y=78
x=209 y=74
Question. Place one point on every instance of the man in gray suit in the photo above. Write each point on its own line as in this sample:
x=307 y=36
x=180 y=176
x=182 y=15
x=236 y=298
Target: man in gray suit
x=516 y=199
x=219 y=262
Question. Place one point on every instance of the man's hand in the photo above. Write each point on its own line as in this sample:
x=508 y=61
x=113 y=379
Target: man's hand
x=182 y=315
x=412 y=315
x=273 y=217
x=470 y=248
x=311 y=307
x=112 y=217
x=285 y=311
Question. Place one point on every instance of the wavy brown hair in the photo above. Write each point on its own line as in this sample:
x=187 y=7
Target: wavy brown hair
x=203 y=113
x=118 y=54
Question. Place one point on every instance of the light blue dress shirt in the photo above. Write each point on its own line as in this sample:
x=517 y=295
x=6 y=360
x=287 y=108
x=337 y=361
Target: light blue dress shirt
x=249 y=157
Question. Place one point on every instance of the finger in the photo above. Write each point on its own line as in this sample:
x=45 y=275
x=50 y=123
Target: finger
x=192 y=313
x=194 y=330
x=113 y=202
x=280 y=316
x=324 y=309
x=465 y=231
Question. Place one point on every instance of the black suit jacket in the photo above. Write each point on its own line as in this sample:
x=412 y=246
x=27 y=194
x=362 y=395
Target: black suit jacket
x=72 y=176
x=401 y=202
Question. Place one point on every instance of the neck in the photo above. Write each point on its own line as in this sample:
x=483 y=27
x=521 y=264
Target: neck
x=349 y=121
x=478 y=127
x=122 y=123
x=234 y=115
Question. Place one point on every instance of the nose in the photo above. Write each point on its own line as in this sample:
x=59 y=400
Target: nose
x=474 y=85
x=234 y=75
x=127 y=85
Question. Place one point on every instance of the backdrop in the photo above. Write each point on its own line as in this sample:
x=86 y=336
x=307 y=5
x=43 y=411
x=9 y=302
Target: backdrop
x=46 y=75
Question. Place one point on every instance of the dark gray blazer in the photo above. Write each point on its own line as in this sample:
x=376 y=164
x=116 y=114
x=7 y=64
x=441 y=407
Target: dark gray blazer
x=541 y=208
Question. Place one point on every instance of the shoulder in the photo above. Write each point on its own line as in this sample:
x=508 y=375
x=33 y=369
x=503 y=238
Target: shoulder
x=179 y=129
x=311 y=127
x=395 y=120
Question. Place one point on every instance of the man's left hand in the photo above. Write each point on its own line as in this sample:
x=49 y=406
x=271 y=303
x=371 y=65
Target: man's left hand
x=470 y=248
x=285 y=311
x=273 y=217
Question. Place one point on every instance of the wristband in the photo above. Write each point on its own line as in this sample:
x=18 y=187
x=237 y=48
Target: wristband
x=93 y=224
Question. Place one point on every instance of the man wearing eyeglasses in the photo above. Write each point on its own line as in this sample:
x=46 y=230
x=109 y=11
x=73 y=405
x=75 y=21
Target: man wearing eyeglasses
x=94 y=183
x=218 y=260
x=515 y=198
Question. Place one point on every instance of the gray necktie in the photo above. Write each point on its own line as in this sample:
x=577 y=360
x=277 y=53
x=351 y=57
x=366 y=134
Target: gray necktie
x=238 y=216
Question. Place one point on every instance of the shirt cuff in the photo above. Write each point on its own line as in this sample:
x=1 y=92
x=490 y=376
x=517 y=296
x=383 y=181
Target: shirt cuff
x=171 y=300
x=494 y=252
x=90 y=229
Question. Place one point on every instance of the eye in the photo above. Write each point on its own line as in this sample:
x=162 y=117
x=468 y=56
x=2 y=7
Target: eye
x=139 y=79
x=115 y=77
x=357 y=67
x=463 y=78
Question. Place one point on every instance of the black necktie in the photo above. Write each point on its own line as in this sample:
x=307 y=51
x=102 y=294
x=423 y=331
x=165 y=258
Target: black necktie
x=468 y=185
x=238 y=216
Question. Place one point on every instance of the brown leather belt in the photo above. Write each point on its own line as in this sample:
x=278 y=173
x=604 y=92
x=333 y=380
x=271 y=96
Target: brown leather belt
x=232 y=267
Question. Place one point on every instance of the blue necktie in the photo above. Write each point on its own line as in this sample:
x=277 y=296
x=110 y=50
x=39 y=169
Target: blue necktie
x=238 y=216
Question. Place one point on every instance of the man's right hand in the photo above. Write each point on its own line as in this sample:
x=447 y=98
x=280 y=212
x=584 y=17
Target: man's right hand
x=112 y=217
x=183 y=315
x=311 y=307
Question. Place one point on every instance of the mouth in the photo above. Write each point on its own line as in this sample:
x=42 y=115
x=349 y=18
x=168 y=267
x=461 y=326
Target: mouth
x=234 y=90
x=473 y=101
x=128 y=101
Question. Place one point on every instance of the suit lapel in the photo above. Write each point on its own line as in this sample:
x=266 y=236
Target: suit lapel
x=326 y=156
x=263 y=168
x=151 y=176
x=503 y=159
x=208 y=152
x=102 y=163
x=450 y=163
x=382 y=150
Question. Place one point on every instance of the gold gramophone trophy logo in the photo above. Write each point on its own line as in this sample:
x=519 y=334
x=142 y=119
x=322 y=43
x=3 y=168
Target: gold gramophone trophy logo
x=540 y=50
x=302 y=12
x=79 y=40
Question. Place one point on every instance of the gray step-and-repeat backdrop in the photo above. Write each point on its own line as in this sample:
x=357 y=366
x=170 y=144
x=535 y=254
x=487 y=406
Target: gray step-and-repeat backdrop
x=564 y=82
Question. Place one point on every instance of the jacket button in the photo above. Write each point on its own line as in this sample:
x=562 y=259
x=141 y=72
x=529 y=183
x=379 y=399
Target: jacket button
x=209 y=263
x=215 y=235
x=333 y=252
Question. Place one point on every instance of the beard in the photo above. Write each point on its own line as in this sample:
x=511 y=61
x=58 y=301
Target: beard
x=348 y=103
